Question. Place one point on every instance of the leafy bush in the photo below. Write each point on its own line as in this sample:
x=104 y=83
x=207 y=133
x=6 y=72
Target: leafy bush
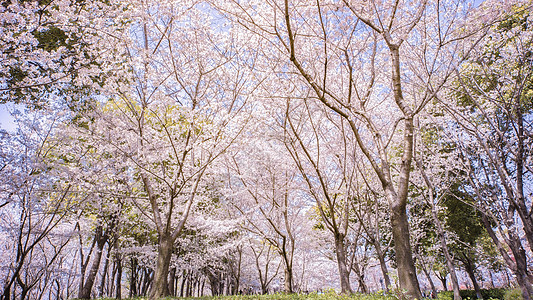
x=471 y=294
x=513 y=294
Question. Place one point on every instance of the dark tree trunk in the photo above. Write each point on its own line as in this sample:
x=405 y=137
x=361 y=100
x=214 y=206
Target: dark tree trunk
x=431 y=284
x=443 y=281
x=133 y=279
x=104 y=274
x=183 y=279
x=215 y=281
x=521 y=271
x=160 y=282
x=172 y=276
x=383 y=265
x=287 y=285
x=344 y=272
x=469 y=267
x=118 y=286
x=101 y=239
x=402 y=246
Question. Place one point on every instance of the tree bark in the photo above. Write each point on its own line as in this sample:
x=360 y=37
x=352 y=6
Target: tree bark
x=402 y=246
x=133 y=278
x=287 y=283
x=101 y=239
x=104 y=274
x=443 y=280
x=118 y=286
x=383 y=266
x=344 y=272
x=428 y=277
x=182 y=285
x=440 y=234
x=172 y=276
x=400 y=224
x=160 y=282
x=469 y=267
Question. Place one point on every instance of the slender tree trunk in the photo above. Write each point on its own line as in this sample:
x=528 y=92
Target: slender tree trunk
x=469 y=267
x=449 y=260
x=344 y=273
x=104 y=274
x=443 y=281
x=491 y=277
x=101 y=239
x=160 y=282
x=111 y=285
x=189 y=286
x=361 y=282
x=172 y=275
x=147 y=282
x=383 y=265
x=431 y=284
x=182 y=285
x=133 y=278
x=118 y=286
x=238 y=275
x=440 y=233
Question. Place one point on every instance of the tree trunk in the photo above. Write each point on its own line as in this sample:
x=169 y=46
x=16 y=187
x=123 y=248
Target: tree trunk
x=101 y=239
x=344 y=273
x=431 y=284
x=287 y=285
x=440 y=234
x=118 y=286
x=519 y=265
x=443 y=281
x=182 y=285
x=402 y=246
x=160 y=282
x=449 y=261
x=104 y=274
x=383 y=265
x=238 y=275
x=215 y=282
x=133 y=278
x=400 y=224
x=521 y=272
x=469 y=267
x=172 y=275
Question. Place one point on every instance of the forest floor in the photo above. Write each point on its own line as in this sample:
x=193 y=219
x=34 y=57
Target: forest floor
x=488 y=294
x=314 y=296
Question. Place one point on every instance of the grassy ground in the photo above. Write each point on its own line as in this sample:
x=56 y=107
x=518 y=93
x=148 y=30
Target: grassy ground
x=489 y=294
x=315 y=296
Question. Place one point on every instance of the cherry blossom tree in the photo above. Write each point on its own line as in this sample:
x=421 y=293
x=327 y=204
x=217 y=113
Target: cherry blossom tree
x=376 y=65
x=266 y=187
x=35 y=219
x=329 y=176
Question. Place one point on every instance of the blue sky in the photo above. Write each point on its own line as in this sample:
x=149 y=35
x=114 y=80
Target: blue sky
x=6 y=120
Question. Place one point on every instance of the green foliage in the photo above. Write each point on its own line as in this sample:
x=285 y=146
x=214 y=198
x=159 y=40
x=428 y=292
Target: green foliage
x=513 y=294
x=52 y=38
x=497 y=293
x=462 y=218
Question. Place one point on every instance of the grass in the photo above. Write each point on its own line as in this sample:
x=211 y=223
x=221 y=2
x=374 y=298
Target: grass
x=491 y=294
x=330 y=295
